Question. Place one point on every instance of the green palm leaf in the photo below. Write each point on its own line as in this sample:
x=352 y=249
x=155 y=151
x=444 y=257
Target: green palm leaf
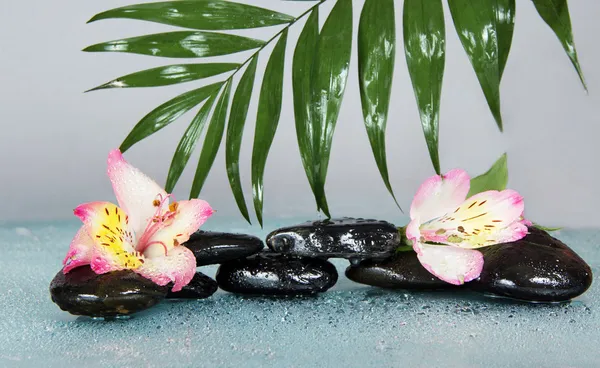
x=267 y=119
x=180 y=44
x=329 y=76
x=168 y=75
x=425 y=49
x=166 y=113
x=556 y=15
x=376 y=55
x=188 y=143
x=194 y=14
x=505 y=23
x=212 y=141
x=486 y=42
x=304 y=56
x=235 y=130
x=320 y=69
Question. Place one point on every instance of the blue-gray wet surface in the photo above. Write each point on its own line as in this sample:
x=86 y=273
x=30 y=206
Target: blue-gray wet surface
x=351 y=325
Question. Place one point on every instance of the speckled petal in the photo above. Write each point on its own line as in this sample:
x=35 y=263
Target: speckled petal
x=515 y=231
x=136 y=193
x=106 y=225
x=80 y=251
x=451 y=264
x=188 y=216
x=178 y=266
x=485 y=219
x=440 y=194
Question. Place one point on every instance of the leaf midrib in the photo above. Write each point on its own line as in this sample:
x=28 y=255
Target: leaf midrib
x=275 y=36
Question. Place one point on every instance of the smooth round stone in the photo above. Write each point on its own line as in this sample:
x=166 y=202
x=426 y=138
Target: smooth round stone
x=274 y=274
x=118 y=293
x=200 y=287
x=354 y=239
x=214 y=247
x=402 y=271
x=536 y=268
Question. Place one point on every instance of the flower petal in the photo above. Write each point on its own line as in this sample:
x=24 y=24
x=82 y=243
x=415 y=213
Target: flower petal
x=440 y=194
x=106 y=225
x=80 y=251
x=188 y=217
x=487 y=218
x=451 y=264
x=136 y=193
x=515 y=231
x=412 y=230
x=178 y=266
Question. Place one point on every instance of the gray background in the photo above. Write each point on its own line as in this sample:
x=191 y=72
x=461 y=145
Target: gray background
x=55 y=138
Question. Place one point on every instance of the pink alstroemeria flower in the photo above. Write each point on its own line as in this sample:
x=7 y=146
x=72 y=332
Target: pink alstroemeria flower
x=143 y=234
x=440 y=214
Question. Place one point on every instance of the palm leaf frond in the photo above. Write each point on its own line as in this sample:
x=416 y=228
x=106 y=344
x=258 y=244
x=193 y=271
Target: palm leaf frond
x=320 y=66
x=376 y=56
x=485 y=30
x=206 y=15
x=180 y=44
x=267 y=119
x=556 y=15
x=425 y=51
x=329 y=77
x=212 y=141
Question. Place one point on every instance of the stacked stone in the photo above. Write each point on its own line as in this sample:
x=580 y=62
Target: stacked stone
x=537 y=268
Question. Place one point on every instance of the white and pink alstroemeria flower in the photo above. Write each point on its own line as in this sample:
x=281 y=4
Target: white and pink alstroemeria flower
x=446 y=228
x=142 y=234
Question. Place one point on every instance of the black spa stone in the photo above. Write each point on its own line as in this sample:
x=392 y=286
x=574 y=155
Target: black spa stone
x=200 y=287
x=402 y=271
x=274 y=274
x=214 y=247
x=354 y=239
x=118 y=293
x=538 y=267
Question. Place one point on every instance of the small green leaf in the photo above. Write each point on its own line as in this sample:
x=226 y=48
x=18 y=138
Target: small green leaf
x=235 y=130
x=376 y=55
x=267 y=119
x=425 y=49
x=548 y=229
x=188 y=143
x=212 y=141
x=166 y=113
x=180 y=44
x=167 y=75
x=556 y=15
x=194 y=14
x=329 y=77
x=485 y=42
x=304 y=56
x=496 y=178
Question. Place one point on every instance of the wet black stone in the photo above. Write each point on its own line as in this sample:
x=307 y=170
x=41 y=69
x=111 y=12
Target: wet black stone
x=200 y=287
x=83 y=292
x=274 y=274
x=355 y=239
x=402 y=271
x=213 y=247
x=535 y=268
